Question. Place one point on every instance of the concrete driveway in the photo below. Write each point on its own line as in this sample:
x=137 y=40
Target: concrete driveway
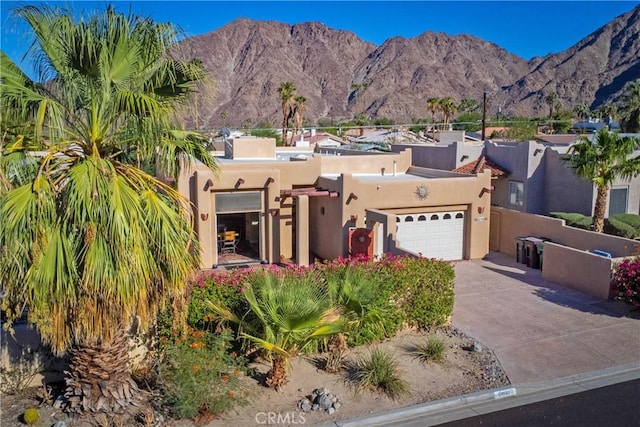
x=539 y=330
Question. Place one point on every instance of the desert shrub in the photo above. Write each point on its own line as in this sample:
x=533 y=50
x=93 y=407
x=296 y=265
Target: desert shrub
x=200 y=376
x=618 y=228
x=432 y=350
x=574 y=219
x=425 y=291
x=364 y=290
x=629 y=219
x=626 y=281
x=379 y=371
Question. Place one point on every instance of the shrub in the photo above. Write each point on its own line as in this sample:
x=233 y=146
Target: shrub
x=618 y=228
x=425 y=291
x=31 y=416
x=626 y=281
x=379 y=371
x=433 y=349
x=199 y=376
x=629 y=219
x=574 y=219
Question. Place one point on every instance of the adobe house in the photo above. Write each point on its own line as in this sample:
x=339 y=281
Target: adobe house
x=289 y=203
x=536 y=179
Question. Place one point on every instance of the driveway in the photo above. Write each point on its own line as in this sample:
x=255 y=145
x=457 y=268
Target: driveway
x=539 y=330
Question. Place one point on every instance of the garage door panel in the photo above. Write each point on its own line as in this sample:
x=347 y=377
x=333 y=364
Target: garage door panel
x=439 y=235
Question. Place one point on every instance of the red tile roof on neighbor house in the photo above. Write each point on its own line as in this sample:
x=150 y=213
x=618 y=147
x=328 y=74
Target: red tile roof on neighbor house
x=480 y=164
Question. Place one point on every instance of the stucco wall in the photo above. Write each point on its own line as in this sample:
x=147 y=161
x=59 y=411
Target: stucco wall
x=580 y=270
x=512 y=224
x=566 y=192
x=446 y=157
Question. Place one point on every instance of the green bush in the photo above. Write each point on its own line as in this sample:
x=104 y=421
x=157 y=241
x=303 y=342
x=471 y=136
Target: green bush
x=574 y=219
x=629 y=219
x=618 y=228
x=200 y=376
x=425 y=291
x=364 y=289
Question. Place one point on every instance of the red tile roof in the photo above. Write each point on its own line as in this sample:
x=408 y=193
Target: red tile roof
x=481 y=164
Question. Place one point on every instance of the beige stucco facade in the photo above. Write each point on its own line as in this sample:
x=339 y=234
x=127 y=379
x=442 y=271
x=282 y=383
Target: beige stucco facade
x=293 y=204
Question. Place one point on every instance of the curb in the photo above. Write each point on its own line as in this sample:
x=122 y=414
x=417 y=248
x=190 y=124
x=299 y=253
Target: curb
x=482 y=402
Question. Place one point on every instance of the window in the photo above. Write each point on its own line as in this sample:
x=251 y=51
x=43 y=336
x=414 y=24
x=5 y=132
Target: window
x=618 y=201
x=516 y=193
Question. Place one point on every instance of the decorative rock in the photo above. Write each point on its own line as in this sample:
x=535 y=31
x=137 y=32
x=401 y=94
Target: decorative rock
x=60 y=424
x=337 y=405
x=315 y=407
x=325 y=402
x=477 y=347
x=331 y=410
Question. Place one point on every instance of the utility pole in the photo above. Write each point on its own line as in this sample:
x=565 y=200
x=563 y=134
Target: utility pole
x=484 y=114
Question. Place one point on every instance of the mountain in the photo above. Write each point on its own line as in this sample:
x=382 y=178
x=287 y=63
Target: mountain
x=342 y=76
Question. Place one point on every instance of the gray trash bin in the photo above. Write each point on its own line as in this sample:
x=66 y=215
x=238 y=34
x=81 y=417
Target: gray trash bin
x=521 y=256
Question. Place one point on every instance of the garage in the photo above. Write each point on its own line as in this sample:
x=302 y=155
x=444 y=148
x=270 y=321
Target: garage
x=432 y=234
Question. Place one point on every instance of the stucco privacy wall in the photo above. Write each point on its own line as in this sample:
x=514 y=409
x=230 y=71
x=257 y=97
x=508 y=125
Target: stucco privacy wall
x=567 y=260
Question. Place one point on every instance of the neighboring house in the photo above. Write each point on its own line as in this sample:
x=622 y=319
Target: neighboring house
x=288 y=203
x=312 y=138
x=537 y=180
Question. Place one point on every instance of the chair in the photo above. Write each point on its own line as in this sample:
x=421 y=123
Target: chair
x=228 y=242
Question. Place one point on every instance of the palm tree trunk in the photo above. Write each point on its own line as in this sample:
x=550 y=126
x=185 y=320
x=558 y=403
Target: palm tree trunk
x=277 y=375
x=99 y=378
x=600 y=207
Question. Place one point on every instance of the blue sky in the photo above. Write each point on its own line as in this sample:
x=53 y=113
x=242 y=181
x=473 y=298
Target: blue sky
x=524 y=28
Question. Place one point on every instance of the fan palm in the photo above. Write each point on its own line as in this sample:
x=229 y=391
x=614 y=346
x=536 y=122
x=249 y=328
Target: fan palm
x=607 y=159
x=289 y=314
x=286 y=90
x=630 y=107
x=448 y=108
x=299 y=108
x=90 y=241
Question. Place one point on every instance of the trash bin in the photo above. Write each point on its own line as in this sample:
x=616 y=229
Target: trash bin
x=540 y=250
x=532 y=257
x=520 y=251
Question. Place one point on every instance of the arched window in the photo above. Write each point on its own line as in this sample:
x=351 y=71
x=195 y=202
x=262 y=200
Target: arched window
x=408 y=219
x=422 y=218
x=446 y=216
x=434 y=217
x=459 y=215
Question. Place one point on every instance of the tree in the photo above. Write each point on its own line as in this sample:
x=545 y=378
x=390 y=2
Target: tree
x=552 y=101
x=299 y=107
x=287 y=93
x=630 y=107
x=468 y=105
x=582 y=110
x=90 y=242
x=448 y=108
x=288 y=313
x=608 y=158
x=433 y=104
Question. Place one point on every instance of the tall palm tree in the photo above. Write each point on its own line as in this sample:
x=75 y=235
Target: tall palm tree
x=287 y=91
x=299 y=107
x=630 y=107
x=608 y=158
x=289 y=313
x=91 y=242
x=433 y=104
x=551 y=100
x=448 y=108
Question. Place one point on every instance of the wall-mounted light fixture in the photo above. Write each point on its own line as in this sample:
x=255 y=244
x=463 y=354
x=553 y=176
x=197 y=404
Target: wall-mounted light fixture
x=354 y=218
x=351 y=197
x=204 y=216
x=480 y=209
x=273 y=212
x=464 y=157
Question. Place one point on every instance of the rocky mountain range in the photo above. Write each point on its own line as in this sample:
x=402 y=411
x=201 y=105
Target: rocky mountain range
x=342 y=76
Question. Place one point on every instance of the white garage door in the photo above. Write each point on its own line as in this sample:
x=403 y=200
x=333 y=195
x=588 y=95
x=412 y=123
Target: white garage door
x=433 y=234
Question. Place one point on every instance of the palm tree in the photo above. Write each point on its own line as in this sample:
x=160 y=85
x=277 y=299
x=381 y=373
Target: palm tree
x=630 y=107
x=582 y=110
x=433 y=104
x=448 y=108
x=602 y=162
x=289 y=314
x=299 y=107
x=286 y=92
x=90 y=242
x=551 y=100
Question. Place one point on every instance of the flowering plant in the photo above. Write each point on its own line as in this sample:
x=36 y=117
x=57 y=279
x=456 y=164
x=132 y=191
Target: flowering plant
x=626 y=281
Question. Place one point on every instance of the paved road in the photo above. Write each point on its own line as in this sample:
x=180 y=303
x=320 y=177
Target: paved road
x=615 y=405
